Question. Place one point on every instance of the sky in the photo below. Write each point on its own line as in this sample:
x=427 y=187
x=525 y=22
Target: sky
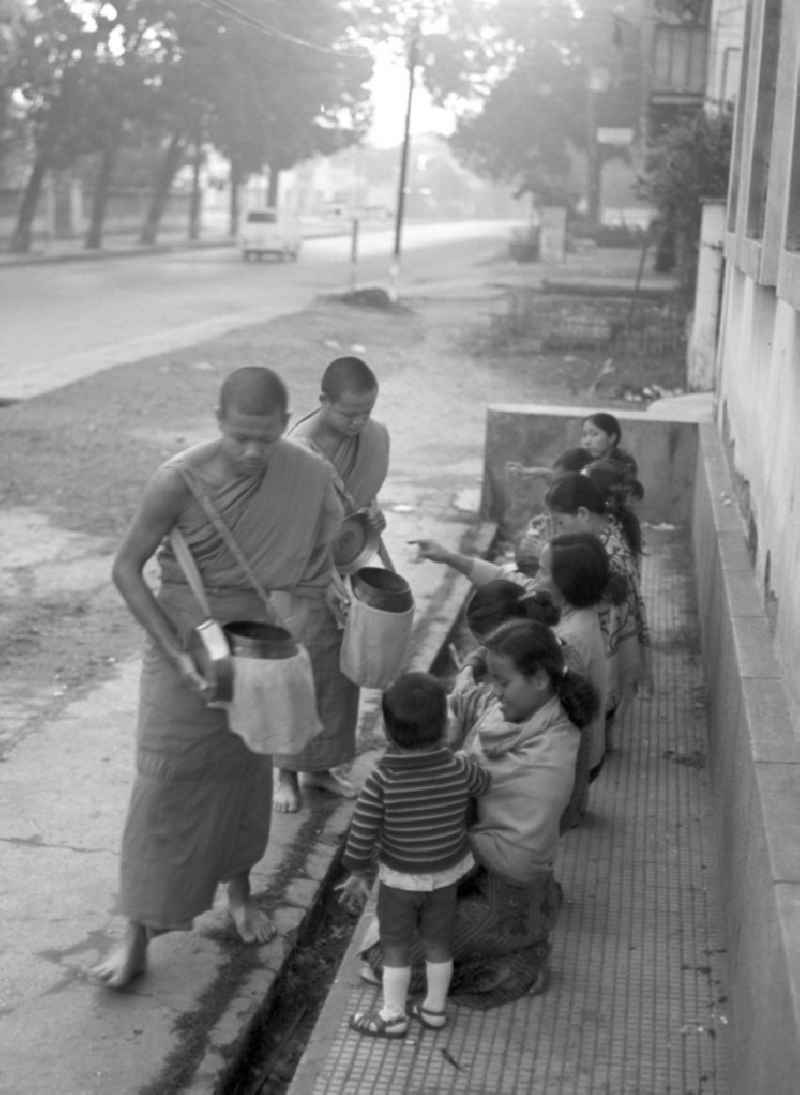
x=389 y=88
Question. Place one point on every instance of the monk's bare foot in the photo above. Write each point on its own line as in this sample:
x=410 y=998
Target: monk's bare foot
x=252 y=923
x=333 y=781
x=286 y=799
x=126 y=962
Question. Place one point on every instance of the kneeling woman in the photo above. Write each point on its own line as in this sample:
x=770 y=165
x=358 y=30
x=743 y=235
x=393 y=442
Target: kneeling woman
x=509 y=906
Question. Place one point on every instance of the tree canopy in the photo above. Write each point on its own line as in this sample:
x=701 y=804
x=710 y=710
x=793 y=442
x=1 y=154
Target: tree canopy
x=267 y=84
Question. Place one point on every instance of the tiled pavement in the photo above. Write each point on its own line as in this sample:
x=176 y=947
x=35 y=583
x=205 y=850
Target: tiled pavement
x=637 y=1003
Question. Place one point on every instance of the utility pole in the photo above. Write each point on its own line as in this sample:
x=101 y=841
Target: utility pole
x=394 y=269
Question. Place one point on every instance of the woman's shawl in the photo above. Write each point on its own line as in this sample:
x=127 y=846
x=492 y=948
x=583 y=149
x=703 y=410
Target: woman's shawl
x=283 y=523
x=361 y=461
x=532 y=765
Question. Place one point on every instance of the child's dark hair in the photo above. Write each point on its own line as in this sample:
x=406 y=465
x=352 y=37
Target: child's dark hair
x=573 y=491
x=572 y=460
x=579 y=568
x=531 y=646
x=415 y=711
x=501 y=600
x=613 y=482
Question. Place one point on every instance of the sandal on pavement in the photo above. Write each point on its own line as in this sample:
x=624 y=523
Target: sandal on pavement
x=433 y=1020
x=374 y=1025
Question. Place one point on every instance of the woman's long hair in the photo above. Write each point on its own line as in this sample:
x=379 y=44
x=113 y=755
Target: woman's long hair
x=532 y=646
x=573 y=491
x=614 y=484
x=500 y=600
x=579 y=568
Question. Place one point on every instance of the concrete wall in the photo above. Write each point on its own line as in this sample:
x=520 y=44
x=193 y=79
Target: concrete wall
x=758 y=355
x=536 y=434
x=754 y=751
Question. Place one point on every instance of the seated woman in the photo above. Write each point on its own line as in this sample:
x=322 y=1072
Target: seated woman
x=577 y=504
x=574 y=568
x=601 y=435
x=507 y=909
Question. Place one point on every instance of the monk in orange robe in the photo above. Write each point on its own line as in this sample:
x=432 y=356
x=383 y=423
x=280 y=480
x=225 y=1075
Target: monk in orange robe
x=341 y=430
x=201 y=803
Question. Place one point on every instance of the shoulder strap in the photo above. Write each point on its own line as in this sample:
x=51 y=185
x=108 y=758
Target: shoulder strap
x=189 y=568
x=209 y=509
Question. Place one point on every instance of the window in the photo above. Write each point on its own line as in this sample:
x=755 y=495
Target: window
x=261 y=218
x=765 y=112
x=679 y=60
x=741 y=106
x=793 y=220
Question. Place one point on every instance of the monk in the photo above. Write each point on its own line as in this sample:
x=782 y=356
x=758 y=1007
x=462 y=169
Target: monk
x=201 y=803
x=342 y=430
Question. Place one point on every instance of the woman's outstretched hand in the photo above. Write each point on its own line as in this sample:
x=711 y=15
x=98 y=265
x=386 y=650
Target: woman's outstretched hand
x=431 y=549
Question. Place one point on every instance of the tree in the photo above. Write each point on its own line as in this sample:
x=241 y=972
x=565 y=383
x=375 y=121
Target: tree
x=689 y=162
x=52 y=73
x=534 y=79
x=263 y=92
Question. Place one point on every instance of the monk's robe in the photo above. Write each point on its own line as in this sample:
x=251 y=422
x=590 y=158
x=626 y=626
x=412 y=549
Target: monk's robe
x=201 y=803
x=361 y=464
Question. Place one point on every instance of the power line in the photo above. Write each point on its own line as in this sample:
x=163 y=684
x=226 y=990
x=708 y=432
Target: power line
x=223 y=7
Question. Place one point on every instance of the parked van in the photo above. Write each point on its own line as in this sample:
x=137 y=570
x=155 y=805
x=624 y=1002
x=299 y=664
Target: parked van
x=268 y=232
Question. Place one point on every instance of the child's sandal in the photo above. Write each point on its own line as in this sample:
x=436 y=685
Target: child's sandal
x=374 y=1025
x=433 y=1020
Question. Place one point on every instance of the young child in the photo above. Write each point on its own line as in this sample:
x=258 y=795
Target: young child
x=413 y=809
x=471 y=699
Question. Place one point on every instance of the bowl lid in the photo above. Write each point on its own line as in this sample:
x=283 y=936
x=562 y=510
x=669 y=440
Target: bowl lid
x=356 y=543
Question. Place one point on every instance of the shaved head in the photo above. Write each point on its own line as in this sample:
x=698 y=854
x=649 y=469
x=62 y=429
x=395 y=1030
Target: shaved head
x=253 y=390
x=347 y=374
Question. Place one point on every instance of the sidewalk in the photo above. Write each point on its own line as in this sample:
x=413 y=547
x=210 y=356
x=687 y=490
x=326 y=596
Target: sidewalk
x=637 y=1003
x=63 y=797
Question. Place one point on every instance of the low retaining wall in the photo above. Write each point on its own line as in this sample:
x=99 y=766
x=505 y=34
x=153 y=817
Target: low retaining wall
x=754 y=737
x=754 y=750
x=535 y=434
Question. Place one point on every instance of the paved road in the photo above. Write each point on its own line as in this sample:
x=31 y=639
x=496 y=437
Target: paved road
x=65 y=320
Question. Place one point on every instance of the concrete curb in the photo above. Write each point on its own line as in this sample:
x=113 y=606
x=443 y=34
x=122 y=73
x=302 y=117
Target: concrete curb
x=7 y=259
x=230 y=1036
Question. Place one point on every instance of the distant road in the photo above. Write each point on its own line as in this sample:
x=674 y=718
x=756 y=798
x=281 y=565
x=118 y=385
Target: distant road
x=61 y=321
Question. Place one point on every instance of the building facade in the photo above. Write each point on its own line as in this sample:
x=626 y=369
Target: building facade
x=757 y=372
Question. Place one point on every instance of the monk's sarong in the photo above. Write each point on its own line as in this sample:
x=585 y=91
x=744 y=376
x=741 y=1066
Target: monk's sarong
x=201 y=803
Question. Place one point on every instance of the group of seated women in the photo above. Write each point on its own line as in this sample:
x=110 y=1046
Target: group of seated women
x=536 y=706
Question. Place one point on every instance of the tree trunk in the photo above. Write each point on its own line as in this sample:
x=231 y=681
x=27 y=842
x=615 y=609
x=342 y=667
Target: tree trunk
x=195 y=202
x=233 y=214
x=272 y=187
x=102 y=183
x=163 y=183
x=23 y=230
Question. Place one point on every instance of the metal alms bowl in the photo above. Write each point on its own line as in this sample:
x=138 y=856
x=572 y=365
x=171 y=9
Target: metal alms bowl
x=210 y=651
x=356 y=543
x=382 y=589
